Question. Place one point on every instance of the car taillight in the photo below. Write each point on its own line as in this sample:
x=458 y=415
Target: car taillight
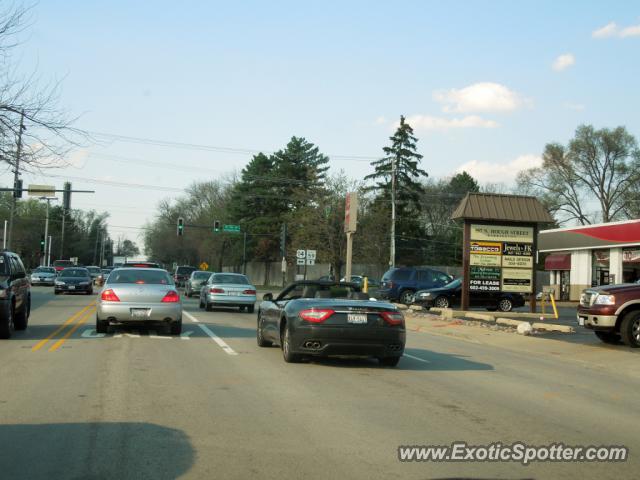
x=171 y=297
x=316 y=315
x=109 y=296
x=216 y=290
x=393 y=318
x=249 y=292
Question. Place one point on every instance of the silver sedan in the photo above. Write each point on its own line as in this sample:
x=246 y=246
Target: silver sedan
x=228 y=290
x=139 y=295
x=43 y=276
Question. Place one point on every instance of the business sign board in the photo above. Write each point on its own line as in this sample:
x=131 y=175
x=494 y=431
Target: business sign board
x=519 y=249
x=484 y=273
x=502 y=233
x=516 y=280
x=351 y=212
x=517 y=262
x=484 y=285
x=485 y=260
x=486 y=248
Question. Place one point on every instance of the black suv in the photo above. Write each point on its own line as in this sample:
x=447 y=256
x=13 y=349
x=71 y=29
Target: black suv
x=15 y=294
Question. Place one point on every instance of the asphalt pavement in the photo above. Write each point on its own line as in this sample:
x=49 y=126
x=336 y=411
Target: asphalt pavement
x=138 y=404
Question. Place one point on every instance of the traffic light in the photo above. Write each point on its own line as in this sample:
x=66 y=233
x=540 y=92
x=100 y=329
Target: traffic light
x=42 y=244
x=216 y=226
x=180 y=226
x=17 y=189
x=283 y=240
x=66 y=197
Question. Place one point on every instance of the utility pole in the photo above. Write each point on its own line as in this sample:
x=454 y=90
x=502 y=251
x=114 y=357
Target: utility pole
x=392 y=243
x=48 y=262
x=95 y=249
x=47 y=244
x=244 y=254
x=16 y=178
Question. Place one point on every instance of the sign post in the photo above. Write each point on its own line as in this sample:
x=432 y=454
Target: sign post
x=350 y=226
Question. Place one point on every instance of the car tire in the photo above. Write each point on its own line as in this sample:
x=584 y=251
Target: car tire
x=611 y=338
x=21 y=320
x=630 y=329
x=389 y=361
x=260 y=337
x=287 y=354
x=176 y=327
x=207 y=306
x=251 y=308
x=406 y=297
x=505 y=305
x=441 y=302
x=102 y=326
x=200 y=303
x=56 y=292
x=241 y=308
x=6 y=322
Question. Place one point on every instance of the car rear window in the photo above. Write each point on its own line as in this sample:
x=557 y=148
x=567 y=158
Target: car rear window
x=228 y=278
x=397 y=275
x=185 y=270
x=44 y=270
x=74 y=272
x=201 y=275
x=140 y=276
x=63 y=263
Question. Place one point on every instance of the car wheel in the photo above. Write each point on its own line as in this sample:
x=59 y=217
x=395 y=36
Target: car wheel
x=288 y=355
x=55 y=292
x=406 y=297
x=505 y=305
x=389 y=361
x=630 y=329
x=201 y=303
x=207 y=306
x=611 y=338
x=20 y=320
x=251 y=308
x=259 y=336
x=176 y=327
x=441 y=302
x=241 y=308
x=102 y=326
x=6 y=322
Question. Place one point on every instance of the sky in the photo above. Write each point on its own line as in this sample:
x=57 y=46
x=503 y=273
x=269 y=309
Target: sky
x=485 y=85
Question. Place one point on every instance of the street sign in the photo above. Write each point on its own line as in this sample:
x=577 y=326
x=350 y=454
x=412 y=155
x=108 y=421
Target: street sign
x=300 y=261
x=283 y=267
x=204 y=266
x=301 y=254
x=42 y=190
x=311 y=255
x=231 y=228
x=311 y=261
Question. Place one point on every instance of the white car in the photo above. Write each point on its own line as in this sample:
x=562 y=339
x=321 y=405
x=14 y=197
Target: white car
x=228 y=290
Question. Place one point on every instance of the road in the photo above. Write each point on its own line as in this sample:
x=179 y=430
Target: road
x=211 y=404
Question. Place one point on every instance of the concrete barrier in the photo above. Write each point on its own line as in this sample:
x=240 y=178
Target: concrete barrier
x=508 y=321
x=553 y=327
x=416 y=308
x=480 y=316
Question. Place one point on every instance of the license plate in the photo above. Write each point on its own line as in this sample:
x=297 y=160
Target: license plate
x=139 y=312
x=581 y=321
x=357 y=318
x=72 y=287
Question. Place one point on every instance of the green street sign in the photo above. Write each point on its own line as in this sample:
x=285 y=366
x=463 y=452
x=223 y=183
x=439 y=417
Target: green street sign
x=231 y=228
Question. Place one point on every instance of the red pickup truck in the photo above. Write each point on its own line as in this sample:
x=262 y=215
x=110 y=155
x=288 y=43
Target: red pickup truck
x=612 y=312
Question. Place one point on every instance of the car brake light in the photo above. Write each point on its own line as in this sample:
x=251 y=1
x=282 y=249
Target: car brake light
x=249 y=292
x=171 y=297
x=393 y=318
x=316 y=315
x=109 y=296
x=216 y=290
x=140 y=282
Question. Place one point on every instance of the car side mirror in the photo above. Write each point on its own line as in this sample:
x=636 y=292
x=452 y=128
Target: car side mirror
x=268 y=297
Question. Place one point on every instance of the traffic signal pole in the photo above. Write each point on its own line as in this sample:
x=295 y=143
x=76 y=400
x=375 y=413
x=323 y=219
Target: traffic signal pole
x=16 y=179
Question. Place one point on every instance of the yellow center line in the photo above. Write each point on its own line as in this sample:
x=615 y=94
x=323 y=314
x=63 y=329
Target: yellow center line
x=81 y=321
x=42 y=342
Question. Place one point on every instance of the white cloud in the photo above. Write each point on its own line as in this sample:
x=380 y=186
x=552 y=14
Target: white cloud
x=428 y=122
x=563 y=62
x=78 y=158
x=479 y=97
x=609 y=30
x=578 y=107
x=632 y=31
x=381 y=120
x=488 y=172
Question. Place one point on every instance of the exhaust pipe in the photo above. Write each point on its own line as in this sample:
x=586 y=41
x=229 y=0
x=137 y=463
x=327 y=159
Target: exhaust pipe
x=311 y=345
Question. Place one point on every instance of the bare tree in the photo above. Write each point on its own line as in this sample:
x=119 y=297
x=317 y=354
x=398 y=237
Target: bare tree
x=598 y=166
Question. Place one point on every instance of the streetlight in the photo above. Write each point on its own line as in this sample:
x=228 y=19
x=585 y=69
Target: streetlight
x=46 y=260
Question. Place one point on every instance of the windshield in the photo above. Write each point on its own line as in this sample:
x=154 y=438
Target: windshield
x=229 y=278
x=74 y=272
x=139 y=276
x=201 y=275
x=93 y=269
x=44 y=270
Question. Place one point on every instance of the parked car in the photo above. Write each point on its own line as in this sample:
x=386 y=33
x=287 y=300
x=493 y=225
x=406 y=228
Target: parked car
x=74 y=280
x=139 y=295
x=94 y=272
x=612 y=312
x=228 y=290
x=400 y=284
x=181 y=274
x=60 y=265
x=15 y=294
x=195 y=282
x=314 y=318
x=450 y=296
x=359 y=280
x=43 y=276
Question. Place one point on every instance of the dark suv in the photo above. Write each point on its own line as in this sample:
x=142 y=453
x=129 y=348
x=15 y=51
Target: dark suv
x=399 y=284
x=15 y=294
x=182 y=274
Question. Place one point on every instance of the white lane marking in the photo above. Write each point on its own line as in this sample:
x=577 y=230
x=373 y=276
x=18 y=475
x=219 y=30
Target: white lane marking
x=130 y=335
x=91 y=333
x=154 y=334
x=185 y=335
x=221 y=343
x=416 y=358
